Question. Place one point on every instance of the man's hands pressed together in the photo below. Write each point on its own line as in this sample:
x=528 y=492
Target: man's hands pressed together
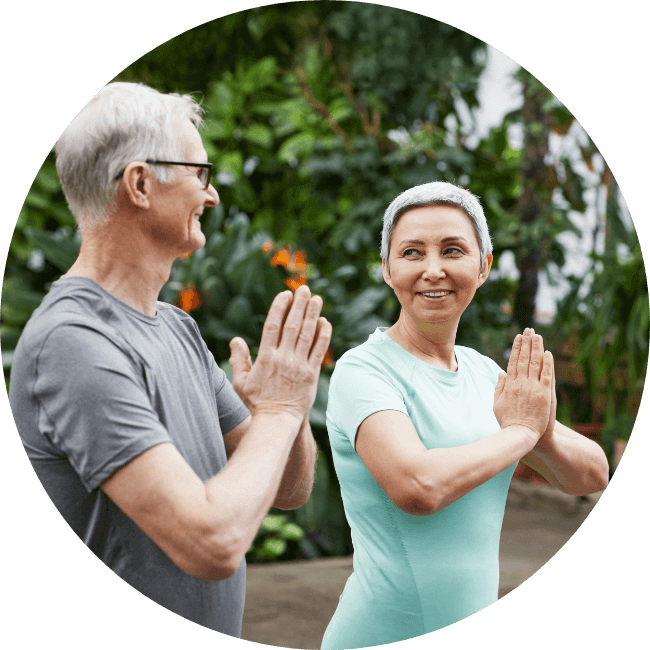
x=284 y=377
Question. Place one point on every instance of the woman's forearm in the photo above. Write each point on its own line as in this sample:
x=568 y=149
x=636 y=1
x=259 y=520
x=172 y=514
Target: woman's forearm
x=444 y=475
x=570 y=462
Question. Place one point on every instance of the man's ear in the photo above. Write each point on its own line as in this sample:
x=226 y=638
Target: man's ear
x=386 y=274
x=483 y=275
x=137 y=183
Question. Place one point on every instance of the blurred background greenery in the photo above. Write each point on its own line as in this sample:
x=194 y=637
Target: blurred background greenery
x=317 y=115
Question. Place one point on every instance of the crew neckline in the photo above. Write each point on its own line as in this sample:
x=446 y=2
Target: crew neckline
x=91 y=284
x=449 y=375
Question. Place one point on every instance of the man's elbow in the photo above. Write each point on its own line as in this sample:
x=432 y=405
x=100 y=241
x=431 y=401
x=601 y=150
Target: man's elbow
x=215 y=558
x=294 y=500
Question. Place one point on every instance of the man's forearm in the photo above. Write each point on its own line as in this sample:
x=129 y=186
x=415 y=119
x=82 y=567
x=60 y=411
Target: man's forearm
x=298 y=478
x=246 y=488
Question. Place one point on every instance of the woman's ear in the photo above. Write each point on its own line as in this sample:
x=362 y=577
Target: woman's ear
x=385 y=272
x=487 y=265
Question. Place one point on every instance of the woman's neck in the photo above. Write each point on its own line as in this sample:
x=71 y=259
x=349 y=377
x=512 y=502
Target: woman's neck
x=432 y=343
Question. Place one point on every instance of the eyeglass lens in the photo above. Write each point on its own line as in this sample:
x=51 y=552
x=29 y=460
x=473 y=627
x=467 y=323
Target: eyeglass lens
x=205 y=176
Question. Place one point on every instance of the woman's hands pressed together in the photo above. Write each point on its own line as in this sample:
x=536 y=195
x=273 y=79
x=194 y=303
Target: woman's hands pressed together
x=526 y=394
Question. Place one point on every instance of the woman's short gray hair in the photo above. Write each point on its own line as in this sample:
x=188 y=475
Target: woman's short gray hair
x=121 y=123
x=431 y=194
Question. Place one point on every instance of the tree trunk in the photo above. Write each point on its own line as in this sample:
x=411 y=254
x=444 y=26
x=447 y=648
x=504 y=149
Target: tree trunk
x=537 y=179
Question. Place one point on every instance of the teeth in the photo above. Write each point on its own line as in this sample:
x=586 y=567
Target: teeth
x=436 y=294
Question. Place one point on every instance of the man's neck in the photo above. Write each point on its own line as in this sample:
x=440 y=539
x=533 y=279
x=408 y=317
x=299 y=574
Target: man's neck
x=123 y=264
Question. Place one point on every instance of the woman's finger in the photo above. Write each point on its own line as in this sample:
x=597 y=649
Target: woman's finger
x=500 y=386
x=536 y=356
x=524 y=354
x=514 y=357
x=546 y=378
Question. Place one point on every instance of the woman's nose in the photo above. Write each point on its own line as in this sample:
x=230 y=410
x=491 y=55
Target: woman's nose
x=434 y=269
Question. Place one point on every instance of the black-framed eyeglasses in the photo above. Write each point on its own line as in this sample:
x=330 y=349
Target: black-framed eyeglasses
x=204 y=176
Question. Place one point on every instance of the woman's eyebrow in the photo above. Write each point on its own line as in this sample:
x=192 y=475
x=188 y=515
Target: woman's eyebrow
x=411 y=241
x=406 y=242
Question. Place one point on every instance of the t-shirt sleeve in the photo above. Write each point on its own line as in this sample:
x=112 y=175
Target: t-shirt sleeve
x=93 y=402
x=493 y=369
x=358 y=388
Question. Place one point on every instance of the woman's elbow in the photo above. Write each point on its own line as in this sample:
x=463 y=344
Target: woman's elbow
x=416 y=499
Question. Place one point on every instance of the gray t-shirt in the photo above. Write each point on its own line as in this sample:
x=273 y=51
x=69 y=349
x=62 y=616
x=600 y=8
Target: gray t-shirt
x=94 y=383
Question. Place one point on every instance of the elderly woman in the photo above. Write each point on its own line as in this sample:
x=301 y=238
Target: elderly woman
x=426 y=434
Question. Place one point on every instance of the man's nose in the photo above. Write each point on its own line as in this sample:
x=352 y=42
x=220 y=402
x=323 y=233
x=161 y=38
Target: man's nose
x=213 y=197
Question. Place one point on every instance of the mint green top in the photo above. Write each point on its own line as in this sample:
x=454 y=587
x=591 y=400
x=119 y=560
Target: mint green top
x=413 y=574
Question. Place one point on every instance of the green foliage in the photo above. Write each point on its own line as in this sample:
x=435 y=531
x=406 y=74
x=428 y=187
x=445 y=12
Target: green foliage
x=317 y=115
x=611 y=318
x=43 y=247
x=274 y=539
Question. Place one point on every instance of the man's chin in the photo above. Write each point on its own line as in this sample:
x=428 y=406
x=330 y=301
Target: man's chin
x=195 y=245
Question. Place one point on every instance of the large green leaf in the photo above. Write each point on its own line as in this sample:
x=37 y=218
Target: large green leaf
x=18 y=303
x=58 y=249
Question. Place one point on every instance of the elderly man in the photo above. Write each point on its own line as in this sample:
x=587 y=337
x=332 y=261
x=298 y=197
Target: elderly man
x=154 y=459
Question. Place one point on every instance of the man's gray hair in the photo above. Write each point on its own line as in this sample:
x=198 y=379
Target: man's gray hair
x=123 y=122
x=432 y=194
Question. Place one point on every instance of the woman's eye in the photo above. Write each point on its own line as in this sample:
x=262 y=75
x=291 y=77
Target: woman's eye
x=454 y=250
x=411 y=252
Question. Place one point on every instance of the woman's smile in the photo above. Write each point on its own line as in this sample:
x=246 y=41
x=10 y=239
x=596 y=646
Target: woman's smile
x=435 y=295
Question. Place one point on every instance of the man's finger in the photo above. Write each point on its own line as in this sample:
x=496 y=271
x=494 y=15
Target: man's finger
x=293 y=322
x=308 y=330
x=321 y=343
x=240 y=361
x=272 y=329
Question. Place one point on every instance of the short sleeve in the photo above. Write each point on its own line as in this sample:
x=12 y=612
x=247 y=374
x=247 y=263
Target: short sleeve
x=93 y=402
x=493 y=369
x=358 y=388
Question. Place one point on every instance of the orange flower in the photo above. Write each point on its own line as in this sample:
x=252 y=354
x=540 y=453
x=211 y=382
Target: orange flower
x=328 y=359
x=296 y=281
x=267 y=246
x=293 y=262
x=189 y=299
x=298 y=261
x=281 y=258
